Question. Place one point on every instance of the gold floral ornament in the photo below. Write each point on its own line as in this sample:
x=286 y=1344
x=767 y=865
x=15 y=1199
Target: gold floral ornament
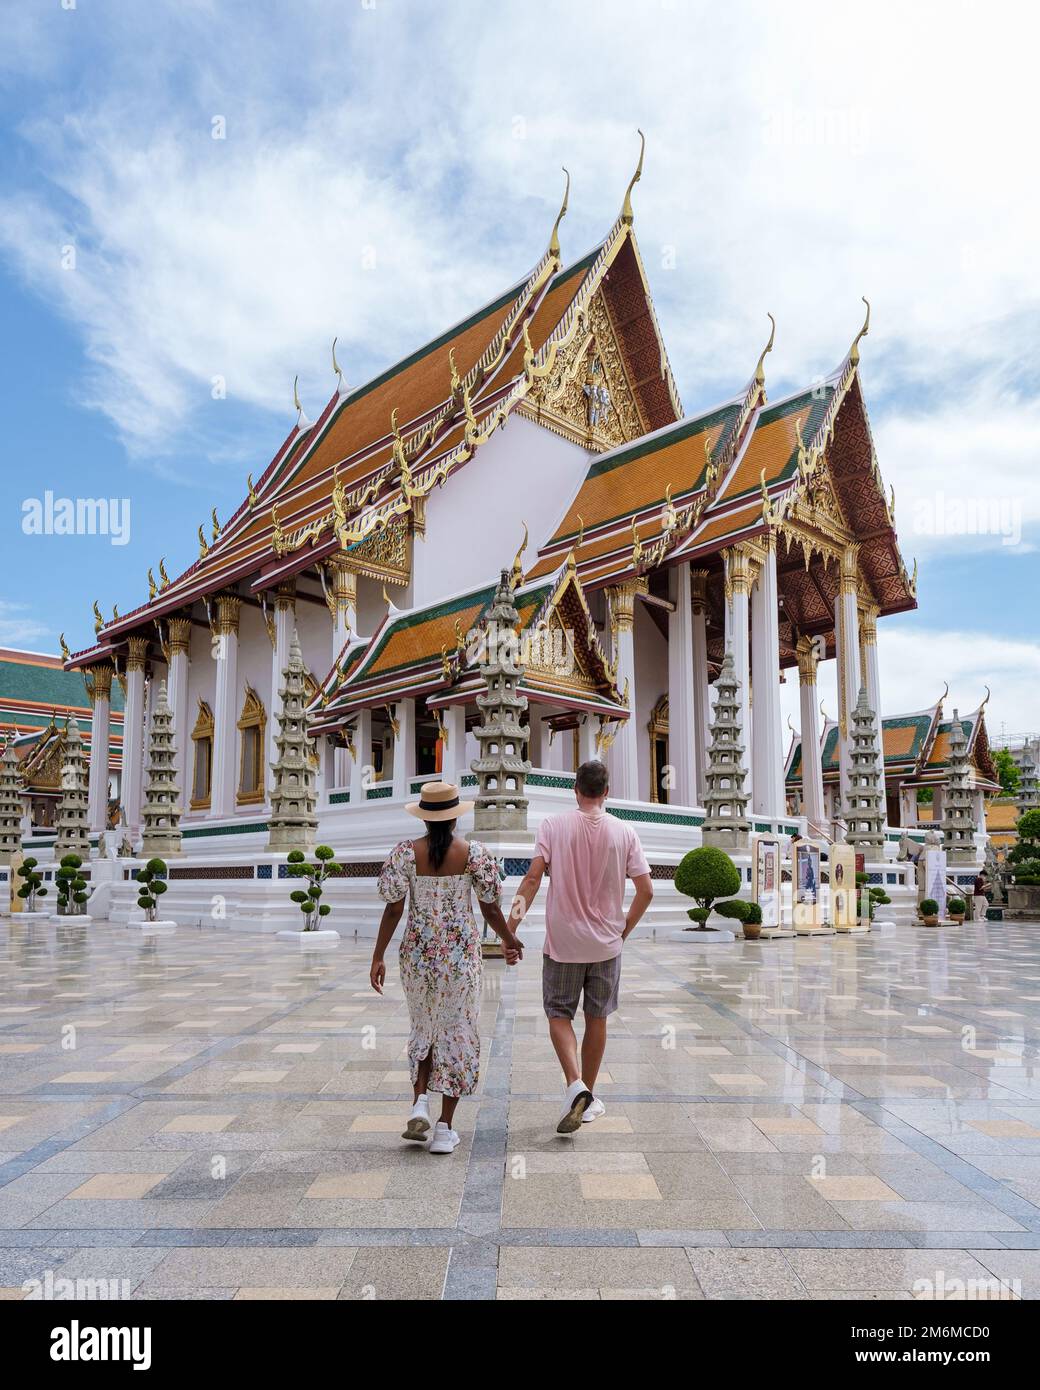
x=164 y=578
x=99 y=621
x=395 y=724
x=670 y=517
x=760 y=370
x=277 y=534
x=637 y=544
x=251 y=490
x=216 y=524
x=518 y=569
x=66 y=655
x=627 y=215
x=203 y=544
x=115 y=612
x=153 y=588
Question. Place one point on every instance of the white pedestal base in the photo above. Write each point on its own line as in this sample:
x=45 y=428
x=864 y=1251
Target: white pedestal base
x=71 y=919
x=701 y=938
x=810 y=929
x=310 y=940
x=775 y=933
x=163 y=927
x=30 y=916
x=858 y=930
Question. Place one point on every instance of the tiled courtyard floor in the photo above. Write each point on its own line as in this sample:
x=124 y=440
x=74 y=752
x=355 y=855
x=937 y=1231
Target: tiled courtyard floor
x=209 y=1115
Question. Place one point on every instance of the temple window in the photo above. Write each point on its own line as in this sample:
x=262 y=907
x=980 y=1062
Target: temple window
x=252 y=724
x=202 y=764
x=658 y=731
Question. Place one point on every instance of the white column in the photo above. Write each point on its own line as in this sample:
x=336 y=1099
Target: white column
x=284 y=624
x=587 y=730
x=133 y=734
x=454 y=760
x=536 y=741
x=100 y=727
x=740 y=576
x=682 y=737
x=907 y=806
x=868 y=664
x=701 y=703
x=362 y=758
x=225 y=706
x=624 y=754
x=404 y=747
x=767 y=778
x=846 y=643
x=179 y=641
x=812 y=763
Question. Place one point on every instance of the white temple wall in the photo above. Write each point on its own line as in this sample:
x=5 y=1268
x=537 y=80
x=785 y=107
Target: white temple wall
x=473 y=524
x=202 y=685
x=371 y=610
x=651 y=649
x=314 y=628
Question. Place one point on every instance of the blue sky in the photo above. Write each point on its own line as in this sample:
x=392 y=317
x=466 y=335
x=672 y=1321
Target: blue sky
x=388 y=165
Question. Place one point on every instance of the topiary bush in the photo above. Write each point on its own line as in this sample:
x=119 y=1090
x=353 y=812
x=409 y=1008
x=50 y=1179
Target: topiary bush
x=706 y=874
x=698 y=914
x=928 y=907
x=71 y=886
x=309 y=899
x=956 y=907
x=151 y=885
x=754 y=915
x=32 y=884
x=736 y=908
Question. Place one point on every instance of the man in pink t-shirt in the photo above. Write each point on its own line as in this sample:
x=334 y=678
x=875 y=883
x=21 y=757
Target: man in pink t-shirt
x=589 y=855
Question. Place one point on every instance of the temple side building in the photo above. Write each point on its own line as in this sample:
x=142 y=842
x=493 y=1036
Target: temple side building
x=544 y=436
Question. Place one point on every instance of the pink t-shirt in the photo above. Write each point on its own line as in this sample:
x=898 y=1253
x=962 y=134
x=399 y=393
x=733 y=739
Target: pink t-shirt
x=589 y=857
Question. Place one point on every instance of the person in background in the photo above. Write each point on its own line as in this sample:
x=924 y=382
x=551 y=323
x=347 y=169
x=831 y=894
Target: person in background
x=589 y=854
x=980 y=900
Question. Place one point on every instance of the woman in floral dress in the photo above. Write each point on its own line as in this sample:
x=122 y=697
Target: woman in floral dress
x=440 y=954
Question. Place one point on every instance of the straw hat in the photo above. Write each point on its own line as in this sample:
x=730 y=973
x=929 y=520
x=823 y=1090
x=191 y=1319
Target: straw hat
x=440 y=801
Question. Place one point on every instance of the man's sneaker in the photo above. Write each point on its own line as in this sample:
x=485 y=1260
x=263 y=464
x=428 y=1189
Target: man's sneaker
x=579 y=1098
x=444 y=1141
x=418 y=1126
x=593 y=1112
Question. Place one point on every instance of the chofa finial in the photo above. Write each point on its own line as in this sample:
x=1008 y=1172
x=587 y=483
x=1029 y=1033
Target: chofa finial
x=854 y=349
x=627 y=215
x=760 y=374
x=554 y=239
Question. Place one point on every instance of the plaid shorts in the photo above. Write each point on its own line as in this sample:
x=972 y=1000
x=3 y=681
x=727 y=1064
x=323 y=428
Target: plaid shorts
x=563 y=983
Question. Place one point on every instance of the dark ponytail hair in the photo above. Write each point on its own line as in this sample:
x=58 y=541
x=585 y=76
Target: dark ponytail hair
x=439 y=835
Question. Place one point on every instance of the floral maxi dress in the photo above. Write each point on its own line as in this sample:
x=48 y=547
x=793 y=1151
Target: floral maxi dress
x=441 y=963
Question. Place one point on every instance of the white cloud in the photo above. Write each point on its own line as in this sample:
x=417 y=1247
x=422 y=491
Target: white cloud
x=18 y=626
x=914 y=663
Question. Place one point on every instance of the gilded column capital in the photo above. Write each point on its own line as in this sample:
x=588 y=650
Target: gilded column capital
x=807 y=660
x=742 y=567
x=229 y=610
x=180 y=636
x=699 y=590
x=102 y=682
x=623 y=601
x=850 y=569
x=137 y=652
x=868 y=616
x=285 y=595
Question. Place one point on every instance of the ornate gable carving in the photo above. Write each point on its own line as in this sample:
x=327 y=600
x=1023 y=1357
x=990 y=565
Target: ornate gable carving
x=587 y=397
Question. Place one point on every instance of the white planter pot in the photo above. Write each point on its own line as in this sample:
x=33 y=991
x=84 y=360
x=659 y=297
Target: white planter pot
x=78 y=919
x=711 y=937
x=310 y=940
x=164 y=926
x=40 y=915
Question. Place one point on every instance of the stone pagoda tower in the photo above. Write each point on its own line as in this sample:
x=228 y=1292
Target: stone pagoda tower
x=501 y=770
x=293 y=821
x=161 y=815
x=1028 y=797
x=726 y=823
x=73 y=830
x=11 y=806
x=864 y=815
x=958 y=819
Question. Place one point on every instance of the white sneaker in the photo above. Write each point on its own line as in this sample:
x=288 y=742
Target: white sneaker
x=593 y=1112
x=444 y=1141
x=579 y=1098
x=418 y=1125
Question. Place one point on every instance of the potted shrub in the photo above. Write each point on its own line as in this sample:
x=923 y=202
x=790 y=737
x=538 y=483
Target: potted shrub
x=71 y=887
x=955 y=910
x=705 y=875
x=749 y=915
x=32 y=886
x=308 y=899
x=928 y=911
x=151 y=885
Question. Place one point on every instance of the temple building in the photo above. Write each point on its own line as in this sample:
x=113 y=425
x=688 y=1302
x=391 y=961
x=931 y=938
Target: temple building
x=544 y=436
x=916 y=750
x=39 y=701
